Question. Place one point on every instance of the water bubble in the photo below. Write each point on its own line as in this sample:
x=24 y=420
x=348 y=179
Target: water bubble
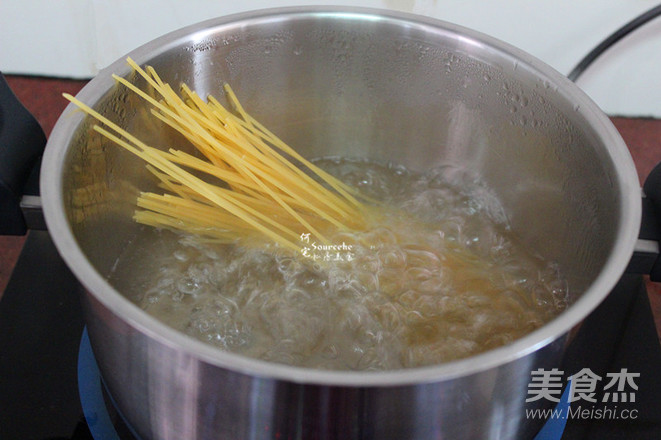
x=412 y=296
x=187 y=286
x=181 y=255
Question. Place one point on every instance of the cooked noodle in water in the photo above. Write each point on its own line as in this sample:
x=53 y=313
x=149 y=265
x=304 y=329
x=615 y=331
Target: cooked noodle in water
x=336 y=264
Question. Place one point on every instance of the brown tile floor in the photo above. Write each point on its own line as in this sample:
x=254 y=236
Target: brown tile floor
x=43 y=97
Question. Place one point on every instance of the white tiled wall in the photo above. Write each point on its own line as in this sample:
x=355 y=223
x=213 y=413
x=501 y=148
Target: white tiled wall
x=74 y=38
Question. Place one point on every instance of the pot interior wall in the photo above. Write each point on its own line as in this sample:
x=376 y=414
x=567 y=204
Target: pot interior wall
x=411 y=94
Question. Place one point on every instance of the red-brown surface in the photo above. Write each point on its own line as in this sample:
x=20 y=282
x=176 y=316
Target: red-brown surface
x=43 y=97
x=643 y=137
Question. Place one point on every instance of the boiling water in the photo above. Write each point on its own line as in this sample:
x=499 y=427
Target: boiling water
x=439 y=277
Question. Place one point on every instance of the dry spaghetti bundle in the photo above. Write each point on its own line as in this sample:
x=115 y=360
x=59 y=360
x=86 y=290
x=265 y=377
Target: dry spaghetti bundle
x=267 y=189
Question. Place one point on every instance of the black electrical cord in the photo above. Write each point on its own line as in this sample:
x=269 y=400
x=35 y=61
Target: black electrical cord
x=612 y=39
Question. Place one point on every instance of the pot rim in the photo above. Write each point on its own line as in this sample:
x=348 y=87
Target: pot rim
x=97 y=286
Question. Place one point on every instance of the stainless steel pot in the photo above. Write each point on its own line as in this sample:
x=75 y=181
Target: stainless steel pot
x=366 y=83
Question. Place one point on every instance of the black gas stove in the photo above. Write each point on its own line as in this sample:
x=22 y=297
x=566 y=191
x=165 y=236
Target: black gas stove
x=50 y=387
